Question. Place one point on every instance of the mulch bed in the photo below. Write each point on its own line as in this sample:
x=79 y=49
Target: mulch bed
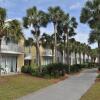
x=97 y=80
x=98 y=71
x=56 y=80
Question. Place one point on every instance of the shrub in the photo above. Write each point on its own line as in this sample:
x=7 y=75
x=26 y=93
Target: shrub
x=98 y=76
x=27 y=69
x=98 y=68
x=91 y=65
x=24 y=69
x=52 y=70
x=56 y=69
x=75 y=68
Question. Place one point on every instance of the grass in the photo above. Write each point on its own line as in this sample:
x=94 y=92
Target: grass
x=93 y=93
x=12 y=87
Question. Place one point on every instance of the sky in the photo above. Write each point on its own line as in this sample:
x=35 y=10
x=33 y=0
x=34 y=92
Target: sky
x=16 y=9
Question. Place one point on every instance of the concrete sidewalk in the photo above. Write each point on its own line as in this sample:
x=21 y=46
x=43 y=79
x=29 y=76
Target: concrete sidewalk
x=70 y=89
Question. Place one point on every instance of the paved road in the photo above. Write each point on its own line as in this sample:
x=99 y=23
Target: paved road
x=70 y=89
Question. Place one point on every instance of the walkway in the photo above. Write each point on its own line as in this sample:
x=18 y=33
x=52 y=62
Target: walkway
x=69 y=89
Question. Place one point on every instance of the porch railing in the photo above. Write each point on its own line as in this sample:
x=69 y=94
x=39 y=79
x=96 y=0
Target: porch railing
x=11 y=48
x=47 y=52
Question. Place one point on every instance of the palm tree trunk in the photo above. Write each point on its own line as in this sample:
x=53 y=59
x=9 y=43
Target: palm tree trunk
x=80 y=57
x=88 y=58
x=75 y=58
x=0 y=45
x=55 y=44
x=83 y=58
x=64 y=48
x=39 y=57
x=0 y=54
x=67 y=49
x=52 y=55
x=38 y=52
x=36 y=55
x=63 y=56
x=99 y=53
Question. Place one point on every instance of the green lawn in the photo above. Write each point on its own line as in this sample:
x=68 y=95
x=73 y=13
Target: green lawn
x=12 y=87
x=93 y=93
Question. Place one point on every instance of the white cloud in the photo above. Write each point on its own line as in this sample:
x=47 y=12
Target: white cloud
x=75 y=6
x=83 y=38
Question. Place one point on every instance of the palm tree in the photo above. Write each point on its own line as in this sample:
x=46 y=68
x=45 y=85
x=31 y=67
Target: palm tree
x=94 y=54
x=14 y=31
x=29 y=43
x=91 y=14
x=84 y=50
x=48 y=42
x=2 y=23
x=69 y=26
x=95 y=37
x=75 y=49
x=55 y=14
x=36 y=19
x=88 y=52
x=80 y=52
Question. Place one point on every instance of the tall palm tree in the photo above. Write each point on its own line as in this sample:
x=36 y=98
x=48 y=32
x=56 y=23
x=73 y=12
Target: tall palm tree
x=69 y=26
x=91 y=14
x=55 y=14
x=35 y=18
x=2 y=23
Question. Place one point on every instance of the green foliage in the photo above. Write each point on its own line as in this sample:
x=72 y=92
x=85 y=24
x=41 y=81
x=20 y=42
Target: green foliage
x=56 y=69
x=91 y=65
x=51 y=70
x=98 y=76
x=75 y=68
x=27 y=69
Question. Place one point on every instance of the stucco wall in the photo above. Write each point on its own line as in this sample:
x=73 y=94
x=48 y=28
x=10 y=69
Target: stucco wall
x=20 y=62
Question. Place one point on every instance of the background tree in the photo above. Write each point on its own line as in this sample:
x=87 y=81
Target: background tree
x=91 y=14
